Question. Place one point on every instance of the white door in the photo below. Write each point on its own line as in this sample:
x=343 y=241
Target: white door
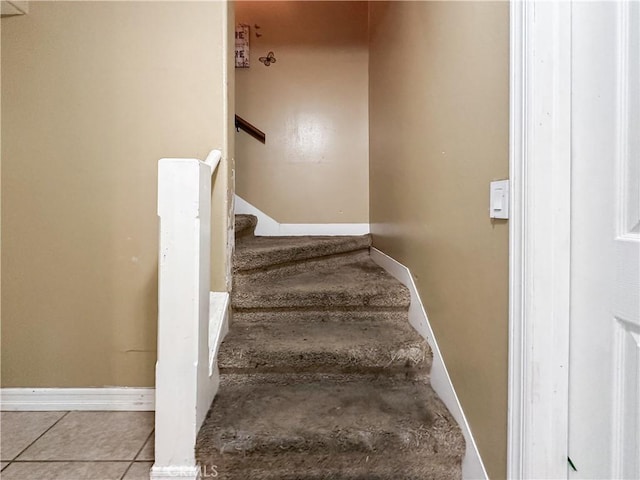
x=604 y=368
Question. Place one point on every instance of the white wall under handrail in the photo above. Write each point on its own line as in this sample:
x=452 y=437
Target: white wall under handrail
x=191 y=319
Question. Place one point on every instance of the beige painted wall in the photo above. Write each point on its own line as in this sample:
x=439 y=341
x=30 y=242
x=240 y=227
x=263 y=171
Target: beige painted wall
x=93 y=94
x=439 y=134
x=0 y=207
x=312 y=104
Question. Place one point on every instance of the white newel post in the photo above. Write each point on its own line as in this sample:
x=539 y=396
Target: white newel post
x=185 y=386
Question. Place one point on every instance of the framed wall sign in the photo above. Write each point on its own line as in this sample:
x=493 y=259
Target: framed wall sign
x=242 y=46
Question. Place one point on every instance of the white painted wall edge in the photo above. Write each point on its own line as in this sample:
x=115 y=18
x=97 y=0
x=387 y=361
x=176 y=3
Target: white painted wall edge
x=268 y=227
x=472 y=466
x=53 y=399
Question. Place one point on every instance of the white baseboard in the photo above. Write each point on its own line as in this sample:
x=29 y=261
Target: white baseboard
x=219 y=308
x=268 y=227
x=52 y=399
x=472 y=466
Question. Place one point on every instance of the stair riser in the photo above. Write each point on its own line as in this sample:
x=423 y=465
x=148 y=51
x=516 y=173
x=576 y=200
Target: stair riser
x=318 y=347
x=233 y=446
x=338 y=467
x=258 y=362
x=314 y=301
x=405 y=373
x=244 y=233
x=245 y=226
x=442 y=473
x=248 y=317
x=236 y=380
x=247 y=258
x=305 y=265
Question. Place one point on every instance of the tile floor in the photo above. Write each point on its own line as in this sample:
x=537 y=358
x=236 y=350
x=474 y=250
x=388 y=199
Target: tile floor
x=76 y=445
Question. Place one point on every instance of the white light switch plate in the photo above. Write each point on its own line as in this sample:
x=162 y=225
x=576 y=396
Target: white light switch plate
x=499 y=199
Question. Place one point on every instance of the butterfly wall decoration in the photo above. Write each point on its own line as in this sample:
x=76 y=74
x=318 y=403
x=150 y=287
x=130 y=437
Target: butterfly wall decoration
x=268 y=60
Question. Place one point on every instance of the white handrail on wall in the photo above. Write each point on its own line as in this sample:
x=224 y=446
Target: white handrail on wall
x=213 y=159
x=189 y=315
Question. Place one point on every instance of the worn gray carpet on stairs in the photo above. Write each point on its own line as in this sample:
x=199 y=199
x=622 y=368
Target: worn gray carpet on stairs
x=322 y=376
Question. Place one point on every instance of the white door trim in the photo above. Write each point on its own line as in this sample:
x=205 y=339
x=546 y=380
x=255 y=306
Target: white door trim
x=540 y=201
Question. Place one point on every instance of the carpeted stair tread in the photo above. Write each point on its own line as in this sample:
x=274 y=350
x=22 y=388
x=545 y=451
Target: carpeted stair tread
x=264 y=252
x=358 y=284
x=245 y=225
x=316 y=347
x=386 y=415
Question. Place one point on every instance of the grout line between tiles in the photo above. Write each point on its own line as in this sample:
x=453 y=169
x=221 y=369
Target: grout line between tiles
x=23 y=450
x=39 y=437
x=126 y=470
x=137 y=454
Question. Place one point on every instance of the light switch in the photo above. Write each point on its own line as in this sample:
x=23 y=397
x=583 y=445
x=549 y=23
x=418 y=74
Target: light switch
x=499 y=199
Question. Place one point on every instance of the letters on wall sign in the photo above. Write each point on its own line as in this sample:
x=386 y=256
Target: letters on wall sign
x=242 y=46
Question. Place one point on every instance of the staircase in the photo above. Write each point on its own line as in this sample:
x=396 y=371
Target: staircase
x=322 y=376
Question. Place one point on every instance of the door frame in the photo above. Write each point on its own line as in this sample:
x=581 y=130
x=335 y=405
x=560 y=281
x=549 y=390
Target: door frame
x=540 y=228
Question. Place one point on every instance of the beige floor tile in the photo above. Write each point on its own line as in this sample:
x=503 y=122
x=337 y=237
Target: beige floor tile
x=65 y=471
x=93 y=436
x=139 y=471
x=147 y=453
x=19 y=429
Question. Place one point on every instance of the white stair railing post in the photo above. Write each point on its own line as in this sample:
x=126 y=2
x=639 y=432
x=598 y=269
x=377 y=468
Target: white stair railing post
x=183 y=380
